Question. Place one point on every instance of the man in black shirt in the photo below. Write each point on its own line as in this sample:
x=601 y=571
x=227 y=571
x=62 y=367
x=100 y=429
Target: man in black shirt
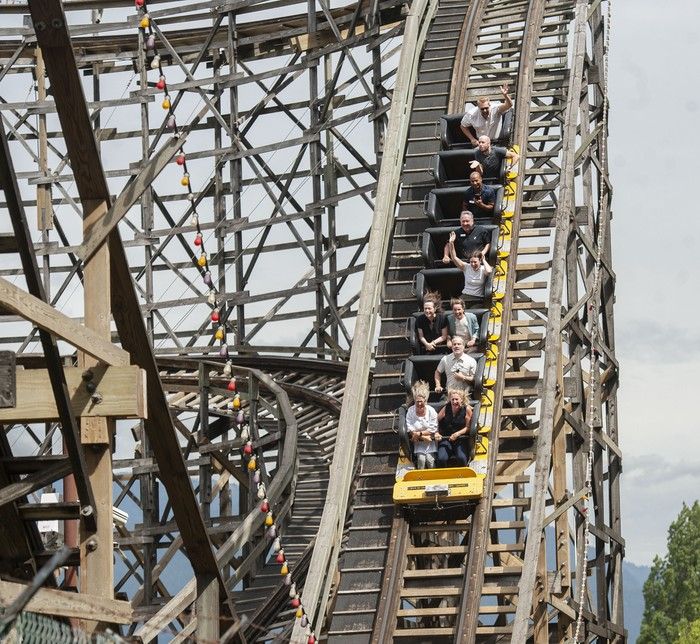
x=478 y=198
x=488 y=158
x=470 y=238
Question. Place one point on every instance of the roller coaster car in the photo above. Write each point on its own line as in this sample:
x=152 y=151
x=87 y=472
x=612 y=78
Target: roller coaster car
x=434 y=239
x=441 y=488
x=482 y=316
x=442 y=206
x=423 y=368
x=450 y=283
x=451 y=168
x=452 y=137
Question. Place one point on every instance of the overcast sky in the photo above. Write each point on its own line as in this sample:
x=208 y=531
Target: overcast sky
x=655 y=106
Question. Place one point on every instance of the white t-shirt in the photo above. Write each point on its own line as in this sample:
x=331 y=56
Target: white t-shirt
x=427 y=423
x=474 y=281
x=489 y=126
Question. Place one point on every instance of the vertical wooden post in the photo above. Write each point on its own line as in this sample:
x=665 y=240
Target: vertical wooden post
x=207 y=610
x=539 y=608
x=96 y=558
x=561 y=524
x=330 y=181
x=315 y=162
x=44 y=209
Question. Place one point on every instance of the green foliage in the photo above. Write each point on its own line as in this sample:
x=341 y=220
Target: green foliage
x=690 y=634
x=672 y=591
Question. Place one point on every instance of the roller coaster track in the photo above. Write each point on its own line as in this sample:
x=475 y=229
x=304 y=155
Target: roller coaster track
x=461 y=581
x=486 y=576
x=314 y=391
x=212 y=454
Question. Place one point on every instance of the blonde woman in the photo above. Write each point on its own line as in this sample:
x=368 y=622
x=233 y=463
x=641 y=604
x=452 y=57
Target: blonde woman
x=421 y=425
x=454 y=420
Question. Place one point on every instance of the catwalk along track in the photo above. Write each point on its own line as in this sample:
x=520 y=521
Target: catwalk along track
x=510 y=568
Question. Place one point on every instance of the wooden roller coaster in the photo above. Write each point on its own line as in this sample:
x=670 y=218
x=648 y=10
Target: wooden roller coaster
x=149 y=433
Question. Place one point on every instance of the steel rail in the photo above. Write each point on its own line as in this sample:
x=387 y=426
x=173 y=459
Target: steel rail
x=389 y=600
x=465 y=54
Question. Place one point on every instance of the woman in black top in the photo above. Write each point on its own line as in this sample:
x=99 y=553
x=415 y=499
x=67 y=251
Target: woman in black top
x=431 y=327
x=452 y=436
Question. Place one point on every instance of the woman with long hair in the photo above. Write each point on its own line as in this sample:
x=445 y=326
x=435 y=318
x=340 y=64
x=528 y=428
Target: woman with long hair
x=476 y=270
x=454 y=420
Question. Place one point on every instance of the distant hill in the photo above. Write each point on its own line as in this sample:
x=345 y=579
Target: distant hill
x=634 y=577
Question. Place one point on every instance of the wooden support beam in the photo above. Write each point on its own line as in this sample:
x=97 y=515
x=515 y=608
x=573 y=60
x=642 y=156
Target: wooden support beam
x=207 y=610
x=551 y=397
x=7 y=243
x=46 y=317
x=59 y=388
x=97 y=232
x=122 y=392
x=33 y=482
x=49 y=22
x=16 y=542
x=59 y=603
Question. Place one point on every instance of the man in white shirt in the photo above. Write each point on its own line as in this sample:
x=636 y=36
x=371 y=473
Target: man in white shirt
x=459 y=368
x=485 y=118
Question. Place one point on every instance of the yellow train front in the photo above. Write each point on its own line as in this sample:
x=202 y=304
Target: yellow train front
x=443 y=486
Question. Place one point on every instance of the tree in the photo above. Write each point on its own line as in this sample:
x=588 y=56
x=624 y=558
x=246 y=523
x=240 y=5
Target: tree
x=690 y=634
x=672 y=591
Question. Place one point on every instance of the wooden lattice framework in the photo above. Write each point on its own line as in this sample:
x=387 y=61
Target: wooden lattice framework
x=285 y=119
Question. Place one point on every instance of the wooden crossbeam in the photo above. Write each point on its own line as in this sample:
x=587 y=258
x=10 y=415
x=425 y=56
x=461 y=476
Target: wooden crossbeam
x=121 y=390
x=96 y=234
x=59 y=603
x=59 y=389
x=33 y=482
x=46 y=317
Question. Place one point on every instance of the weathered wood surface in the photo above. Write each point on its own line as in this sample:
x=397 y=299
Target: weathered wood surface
x=122 y=391
x=46 y=317
x=53 y=37
x=58 y=603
